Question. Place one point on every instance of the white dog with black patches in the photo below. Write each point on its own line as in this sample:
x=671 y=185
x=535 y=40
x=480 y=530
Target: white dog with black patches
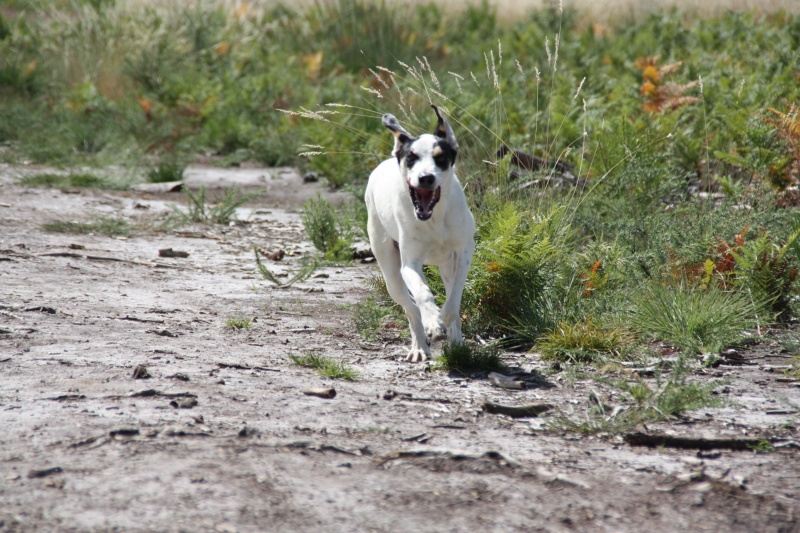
x=418 y=215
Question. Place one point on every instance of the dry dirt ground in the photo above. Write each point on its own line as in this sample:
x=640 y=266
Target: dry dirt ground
x=222 y=438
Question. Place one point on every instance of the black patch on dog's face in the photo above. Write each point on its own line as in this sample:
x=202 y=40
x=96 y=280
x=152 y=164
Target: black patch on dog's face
x=447 y=157
x=405 y=150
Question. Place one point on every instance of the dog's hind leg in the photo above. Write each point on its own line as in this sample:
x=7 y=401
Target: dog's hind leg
x=388 y=258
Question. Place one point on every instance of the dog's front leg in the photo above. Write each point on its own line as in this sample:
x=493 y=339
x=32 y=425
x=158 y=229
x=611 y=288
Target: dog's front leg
x=454 y=275
x=431 y=318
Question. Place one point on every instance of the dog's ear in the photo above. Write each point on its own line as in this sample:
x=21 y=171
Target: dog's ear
x=401 y=136
x=443 y=130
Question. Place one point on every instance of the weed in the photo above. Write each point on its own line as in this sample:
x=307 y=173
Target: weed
x=238 y=322
x=307 y=267
x=326 y=366
x=584 y=342
x=166 y=171
x=110 y=226
x=69 y=181
x=763 y=446
x=328 y=233
x=378 y=310
x=695 y=320
x=642 y=402
x=469 y=358
x=221 y=212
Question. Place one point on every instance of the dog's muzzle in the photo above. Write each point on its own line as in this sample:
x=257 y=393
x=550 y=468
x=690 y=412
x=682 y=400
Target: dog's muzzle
x=424 y=200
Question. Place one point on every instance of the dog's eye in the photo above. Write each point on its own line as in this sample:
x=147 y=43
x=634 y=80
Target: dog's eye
x=411 y=159
x=441 y=161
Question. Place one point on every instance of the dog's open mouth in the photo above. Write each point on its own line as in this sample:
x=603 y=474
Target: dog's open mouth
x=424 y=200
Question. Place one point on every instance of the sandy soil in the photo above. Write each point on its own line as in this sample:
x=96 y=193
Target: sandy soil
x=221 y=437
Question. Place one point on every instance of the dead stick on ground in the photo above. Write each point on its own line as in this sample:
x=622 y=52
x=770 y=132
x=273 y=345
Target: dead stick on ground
x=517 y=411
x=698 y=443
x=110 y=259
x=321 y=392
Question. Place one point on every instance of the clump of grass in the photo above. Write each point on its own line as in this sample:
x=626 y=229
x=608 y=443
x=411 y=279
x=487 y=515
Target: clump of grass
x=74 y=180
x=584 y=342
x=238 y=322
x=694 y=319
x=166 y=171
x=307 y=267
x=221 y=212
x=110 y=226
x=328 y=232
x=469 y=358
x=372 y=313
x=642 y=402
x=326 y=366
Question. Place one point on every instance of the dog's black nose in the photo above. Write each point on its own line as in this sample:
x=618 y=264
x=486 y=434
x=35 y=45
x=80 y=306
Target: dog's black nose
x=427 y=180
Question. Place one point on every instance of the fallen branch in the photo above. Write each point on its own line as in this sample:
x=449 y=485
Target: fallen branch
x=321 y=392
x=238 y=366
x=517 y=411
x=448 y=453
x=654 y=440
x=74 y=255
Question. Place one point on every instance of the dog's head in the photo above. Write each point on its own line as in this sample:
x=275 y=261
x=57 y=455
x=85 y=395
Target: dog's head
x=426 y=162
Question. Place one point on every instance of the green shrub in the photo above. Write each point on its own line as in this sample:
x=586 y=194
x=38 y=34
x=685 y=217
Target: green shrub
x=584 y=342
x=694 y=319
x=469 y=358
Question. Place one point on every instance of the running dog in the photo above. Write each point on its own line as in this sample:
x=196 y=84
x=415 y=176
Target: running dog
x=418 y=215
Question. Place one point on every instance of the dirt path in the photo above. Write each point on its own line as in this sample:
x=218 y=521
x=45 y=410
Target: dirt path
x=221 y=438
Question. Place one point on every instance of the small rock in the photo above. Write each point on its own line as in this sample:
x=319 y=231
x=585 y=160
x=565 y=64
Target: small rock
x=180 y=376
x=248 y=432
x=169 y=252
x=310 y=177
x=184 y=403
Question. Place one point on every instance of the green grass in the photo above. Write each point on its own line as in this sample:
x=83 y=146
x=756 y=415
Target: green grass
x=640 y=402
x=694 y=319
x=72 y=180
x=584 y=342
x=166 y=171
x=307 y=267
x=644 y=242
x=326 y=366
x=469 y=358
x=101 y=225
x=222 y=211
x=239 y=323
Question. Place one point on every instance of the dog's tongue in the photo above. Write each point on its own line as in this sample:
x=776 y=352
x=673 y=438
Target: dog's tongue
x=425 y=201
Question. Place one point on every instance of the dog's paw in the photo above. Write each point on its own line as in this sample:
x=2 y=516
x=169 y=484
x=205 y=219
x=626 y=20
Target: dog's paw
x=417 y=355
x=436 y=333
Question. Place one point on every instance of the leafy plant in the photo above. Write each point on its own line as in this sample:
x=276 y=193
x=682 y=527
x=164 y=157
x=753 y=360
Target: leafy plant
x=327 y=232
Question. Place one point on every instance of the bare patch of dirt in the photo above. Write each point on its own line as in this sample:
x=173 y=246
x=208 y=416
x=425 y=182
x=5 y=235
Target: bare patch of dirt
x=217 y=435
